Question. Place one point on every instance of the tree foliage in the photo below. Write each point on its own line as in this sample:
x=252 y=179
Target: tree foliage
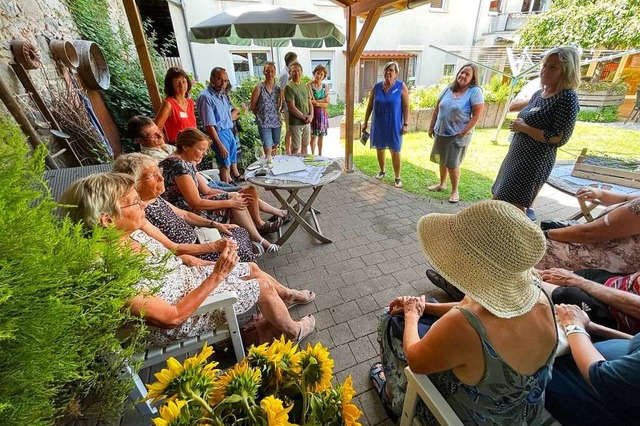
x=588 y=23
x=61 y=300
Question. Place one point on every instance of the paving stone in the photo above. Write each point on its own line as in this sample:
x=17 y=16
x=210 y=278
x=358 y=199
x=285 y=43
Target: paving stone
x=350 y=293
x=342 y=357
x=372 y=406
x=341 y=334
x=345 y=312
x=362 y=349
x=363 y=325
x=368 y=304
x=360 y=375
x=328 y=300
x=320 y=336
x=324 y=319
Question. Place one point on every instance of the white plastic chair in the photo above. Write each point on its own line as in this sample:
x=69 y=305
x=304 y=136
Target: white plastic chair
x=153 y=356
x=420 y=385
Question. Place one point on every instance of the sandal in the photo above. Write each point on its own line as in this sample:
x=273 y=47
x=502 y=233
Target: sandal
x=309 y=297
x=379 y=382
x=380 y=175
x=261 y=250
x=285 y=219
x=436 y=188
x=270 y=227
x=398 y=183
x=454 y=198
x=307 y=325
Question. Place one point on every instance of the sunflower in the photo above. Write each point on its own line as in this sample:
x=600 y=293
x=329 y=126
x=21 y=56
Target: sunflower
x=276 y=414
x=198 y=378
x=170 y=413
x=242 y=380
x=315 y=366
x=281 y=353
x=350 y=413
x=168 y=381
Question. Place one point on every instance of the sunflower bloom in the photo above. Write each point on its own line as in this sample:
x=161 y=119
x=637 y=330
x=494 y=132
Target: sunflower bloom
x=196 y=376
x=315 y=366
x=242 y=380
x=281 y=352
x=170 y=413
x=167 y=384
x=350 y=413
x=275 y=412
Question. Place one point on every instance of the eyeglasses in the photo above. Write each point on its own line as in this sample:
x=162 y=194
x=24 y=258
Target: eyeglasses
x=136 y=202
x=155 y=175
x=601 y=186
x=156 y=135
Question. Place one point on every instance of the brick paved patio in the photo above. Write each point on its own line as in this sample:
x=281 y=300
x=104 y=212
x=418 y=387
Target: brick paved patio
x=375 y=257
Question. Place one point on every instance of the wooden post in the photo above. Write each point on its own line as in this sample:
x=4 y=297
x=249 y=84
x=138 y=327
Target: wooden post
x=349 y=94
x=139 y=38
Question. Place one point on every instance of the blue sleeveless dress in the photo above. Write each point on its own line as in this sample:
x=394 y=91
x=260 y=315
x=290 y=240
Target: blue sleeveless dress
x=386 y=121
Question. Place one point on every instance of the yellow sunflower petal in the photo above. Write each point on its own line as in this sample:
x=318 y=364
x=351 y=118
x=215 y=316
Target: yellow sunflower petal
x=276 y=414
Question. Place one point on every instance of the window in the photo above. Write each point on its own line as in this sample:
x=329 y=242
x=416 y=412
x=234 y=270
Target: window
x=248 y=64
x=448 y=69
x=438 y=6
x=411 y=71
x=325 y=63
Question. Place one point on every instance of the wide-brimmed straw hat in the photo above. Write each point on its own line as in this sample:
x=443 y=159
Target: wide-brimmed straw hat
x=487 y=251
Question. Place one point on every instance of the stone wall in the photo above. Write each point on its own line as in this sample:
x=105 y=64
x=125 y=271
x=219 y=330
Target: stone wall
x=38 y=22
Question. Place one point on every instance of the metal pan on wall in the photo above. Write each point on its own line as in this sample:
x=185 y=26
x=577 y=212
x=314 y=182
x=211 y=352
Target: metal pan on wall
x=93 y=68
x=65 y=52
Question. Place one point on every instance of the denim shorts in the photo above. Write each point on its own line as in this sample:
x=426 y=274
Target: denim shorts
x=269 y=137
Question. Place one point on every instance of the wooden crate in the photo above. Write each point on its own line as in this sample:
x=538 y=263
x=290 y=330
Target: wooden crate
x=604 y=174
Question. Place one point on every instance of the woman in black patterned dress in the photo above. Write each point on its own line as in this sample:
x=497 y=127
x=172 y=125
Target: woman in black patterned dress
x=544 y=123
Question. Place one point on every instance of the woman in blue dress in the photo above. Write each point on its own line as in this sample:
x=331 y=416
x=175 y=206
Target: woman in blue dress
x=389 y=101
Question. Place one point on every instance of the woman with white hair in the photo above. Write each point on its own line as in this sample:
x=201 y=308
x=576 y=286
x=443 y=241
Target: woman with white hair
x=491 y=354
x=175 y=224
x=111 y=200
x=545 y=122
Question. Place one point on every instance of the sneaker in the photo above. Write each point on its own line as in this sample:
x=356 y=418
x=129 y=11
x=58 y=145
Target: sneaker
x=439 y=281
x=398 y=183
x=531 y=213
x=380 y=175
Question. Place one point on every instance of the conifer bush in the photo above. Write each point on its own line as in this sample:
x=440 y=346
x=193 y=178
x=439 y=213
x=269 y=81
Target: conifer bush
x=61 y=302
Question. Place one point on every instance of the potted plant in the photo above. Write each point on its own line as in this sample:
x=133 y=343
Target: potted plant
x=276 y=384
x=600 y=94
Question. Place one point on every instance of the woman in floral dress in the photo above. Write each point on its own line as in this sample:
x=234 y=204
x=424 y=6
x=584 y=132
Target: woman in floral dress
x=320 y=102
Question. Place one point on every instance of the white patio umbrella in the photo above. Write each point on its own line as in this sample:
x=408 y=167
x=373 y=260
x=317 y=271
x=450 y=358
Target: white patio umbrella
x=268 y=26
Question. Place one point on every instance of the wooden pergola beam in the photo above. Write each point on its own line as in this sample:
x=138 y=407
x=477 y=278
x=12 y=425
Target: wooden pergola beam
x=140 y=41
x=362 y=7
x=350 y=92
x=363 y=37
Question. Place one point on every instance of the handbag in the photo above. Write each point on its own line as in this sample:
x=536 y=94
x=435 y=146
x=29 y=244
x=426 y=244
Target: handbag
x=207 y=235
x=396 y=324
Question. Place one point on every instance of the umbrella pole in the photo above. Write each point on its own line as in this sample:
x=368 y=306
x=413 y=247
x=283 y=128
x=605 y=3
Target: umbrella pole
x=273 y=58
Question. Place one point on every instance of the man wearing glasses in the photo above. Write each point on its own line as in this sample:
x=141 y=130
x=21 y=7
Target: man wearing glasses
x=151 y=139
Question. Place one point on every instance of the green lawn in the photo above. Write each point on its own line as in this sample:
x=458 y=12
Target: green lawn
x=483 y=159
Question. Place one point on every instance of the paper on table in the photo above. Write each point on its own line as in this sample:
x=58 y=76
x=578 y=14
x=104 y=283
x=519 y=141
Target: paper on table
x=286 y=164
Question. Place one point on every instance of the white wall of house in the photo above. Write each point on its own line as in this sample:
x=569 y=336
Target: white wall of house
x=457 y=23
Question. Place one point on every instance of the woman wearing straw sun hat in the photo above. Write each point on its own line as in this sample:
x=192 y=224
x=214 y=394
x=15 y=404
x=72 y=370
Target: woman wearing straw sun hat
x=489 y=355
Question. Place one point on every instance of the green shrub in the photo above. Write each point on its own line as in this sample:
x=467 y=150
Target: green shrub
x=336 y=109
x=61 y=299
x=607 y=114
x=127 y=95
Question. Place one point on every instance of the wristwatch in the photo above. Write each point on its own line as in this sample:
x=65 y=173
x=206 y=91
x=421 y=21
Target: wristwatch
x=574 y=328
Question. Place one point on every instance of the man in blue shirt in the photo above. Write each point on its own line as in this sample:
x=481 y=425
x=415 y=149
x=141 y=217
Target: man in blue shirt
x=215 y=109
